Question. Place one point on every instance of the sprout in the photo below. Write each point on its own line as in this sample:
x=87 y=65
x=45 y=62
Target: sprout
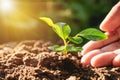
x=63 y=30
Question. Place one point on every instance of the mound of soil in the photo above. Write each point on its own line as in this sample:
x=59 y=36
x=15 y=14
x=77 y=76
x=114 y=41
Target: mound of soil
x=32 y=60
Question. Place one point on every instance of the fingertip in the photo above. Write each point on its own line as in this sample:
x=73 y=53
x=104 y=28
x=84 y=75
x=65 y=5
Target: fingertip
x=103 y=28
x=86 y=48
x=111 y=21
x=90 y=46
x=116 y=61
x=103 y=59
x=85 y=60
x=95 y=61
x=106 y=25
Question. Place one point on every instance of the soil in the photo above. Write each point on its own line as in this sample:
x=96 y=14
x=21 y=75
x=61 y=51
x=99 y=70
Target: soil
x=32 y=60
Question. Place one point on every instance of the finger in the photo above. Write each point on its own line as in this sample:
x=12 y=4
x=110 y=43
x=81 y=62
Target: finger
x=98 y=44
x=85 y=60
x=103 y=59
x=111 y=22
x=111 y=47
x=116 y=60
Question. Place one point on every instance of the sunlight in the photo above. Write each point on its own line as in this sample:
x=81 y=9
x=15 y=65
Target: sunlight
x=6 y=5
x=17 y=20
x=14 y=16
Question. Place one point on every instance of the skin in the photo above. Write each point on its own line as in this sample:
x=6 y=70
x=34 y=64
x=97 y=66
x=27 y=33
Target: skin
x=106 y=52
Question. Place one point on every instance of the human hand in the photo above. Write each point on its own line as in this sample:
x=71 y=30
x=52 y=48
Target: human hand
x=106 y=52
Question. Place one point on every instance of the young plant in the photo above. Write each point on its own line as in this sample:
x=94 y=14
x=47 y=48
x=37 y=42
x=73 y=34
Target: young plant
x=63 y=30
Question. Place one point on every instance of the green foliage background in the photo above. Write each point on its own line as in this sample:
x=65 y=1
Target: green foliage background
x=79 y=14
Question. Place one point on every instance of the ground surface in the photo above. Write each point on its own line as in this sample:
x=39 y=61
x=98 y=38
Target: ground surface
x=31 y=60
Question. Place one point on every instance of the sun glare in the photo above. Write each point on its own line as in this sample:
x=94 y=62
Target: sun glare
x=14 y=16
x=6 y=5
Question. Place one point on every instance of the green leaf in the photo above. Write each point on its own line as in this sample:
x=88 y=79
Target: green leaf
x=62 y=29
x=92 y=34
x=76 y=40
x=58 y=31
x=73 y=49
x=65 y=29
x=47 y=20
x=57 y=48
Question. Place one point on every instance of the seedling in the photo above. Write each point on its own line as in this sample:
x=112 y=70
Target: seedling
x=63 y=30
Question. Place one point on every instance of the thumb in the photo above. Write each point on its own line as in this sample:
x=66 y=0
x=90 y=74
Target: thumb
x=112 y=20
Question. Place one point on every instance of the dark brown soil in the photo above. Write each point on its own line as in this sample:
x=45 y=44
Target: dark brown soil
x=31 y=60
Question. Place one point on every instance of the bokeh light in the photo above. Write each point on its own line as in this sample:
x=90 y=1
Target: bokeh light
x=6 y=5
x=19 y=20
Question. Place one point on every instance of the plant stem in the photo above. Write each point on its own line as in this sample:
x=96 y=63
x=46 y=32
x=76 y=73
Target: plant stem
x=77 y=35
x=65 y=44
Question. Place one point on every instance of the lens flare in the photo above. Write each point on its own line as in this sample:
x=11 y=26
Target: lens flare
x=6 y=5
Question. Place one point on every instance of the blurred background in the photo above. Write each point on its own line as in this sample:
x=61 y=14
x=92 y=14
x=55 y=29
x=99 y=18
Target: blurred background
x=19 y=19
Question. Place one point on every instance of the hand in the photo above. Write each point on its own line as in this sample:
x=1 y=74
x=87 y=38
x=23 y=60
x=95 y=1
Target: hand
x=106 y=52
